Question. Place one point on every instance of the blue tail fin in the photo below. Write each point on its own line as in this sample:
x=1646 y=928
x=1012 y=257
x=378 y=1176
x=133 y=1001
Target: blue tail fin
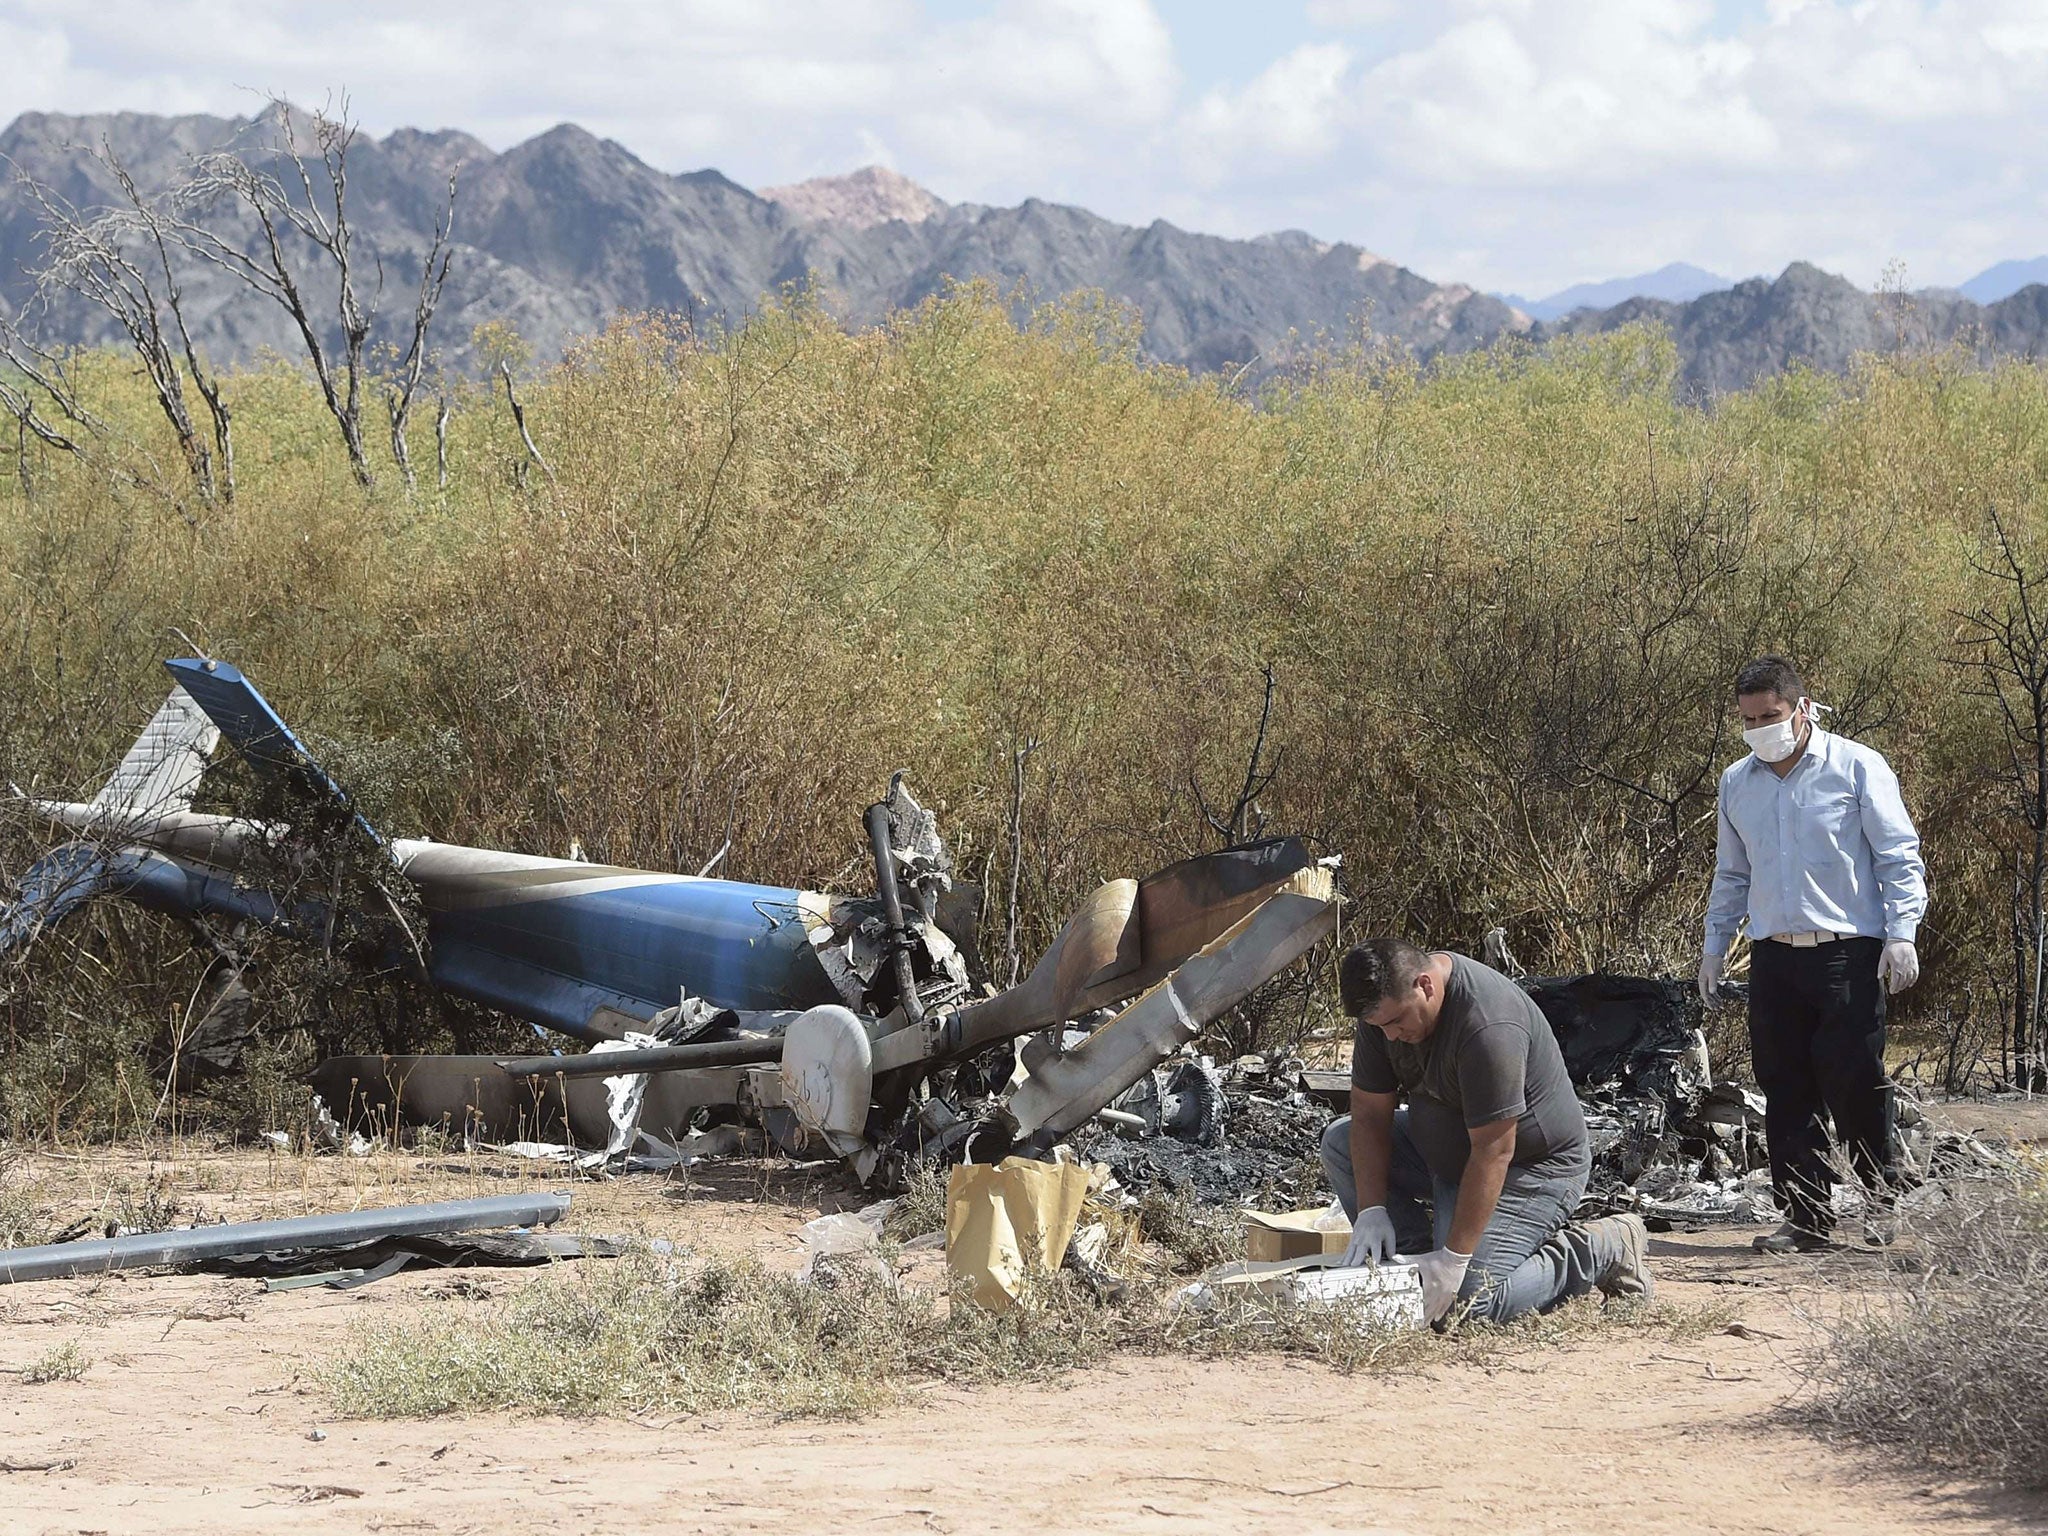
x=255 y=730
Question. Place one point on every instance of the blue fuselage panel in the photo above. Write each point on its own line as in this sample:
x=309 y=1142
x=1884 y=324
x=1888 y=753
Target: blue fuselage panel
x=633 y=934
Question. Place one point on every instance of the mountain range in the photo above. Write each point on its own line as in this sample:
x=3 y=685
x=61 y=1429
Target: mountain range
x=558 y=234
x=1678 y=282
x=1681 y=281
x=2004 y=279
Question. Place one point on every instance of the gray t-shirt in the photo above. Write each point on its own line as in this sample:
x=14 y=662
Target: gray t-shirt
x=1491 y=1057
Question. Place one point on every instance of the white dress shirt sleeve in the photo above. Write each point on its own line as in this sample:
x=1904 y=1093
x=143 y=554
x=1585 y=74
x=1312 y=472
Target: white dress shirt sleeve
x=1894 y=851
x=1728 y=902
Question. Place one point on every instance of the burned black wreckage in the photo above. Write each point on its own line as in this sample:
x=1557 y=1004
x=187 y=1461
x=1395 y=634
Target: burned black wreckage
x=1668 y=1141
x=857 y=1027
x=1672 y=1140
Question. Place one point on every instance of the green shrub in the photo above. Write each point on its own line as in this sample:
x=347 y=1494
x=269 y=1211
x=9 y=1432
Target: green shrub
x=60 y=1362
x=1503 y=598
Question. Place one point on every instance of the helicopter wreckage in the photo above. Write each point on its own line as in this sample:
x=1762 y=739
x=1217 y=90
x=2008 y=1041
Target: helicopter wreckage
x=857 y=1027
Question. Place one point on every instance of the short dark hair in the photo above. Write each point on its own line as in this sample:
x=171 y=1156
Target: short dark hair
x=1771 y=674
x=1376 y=970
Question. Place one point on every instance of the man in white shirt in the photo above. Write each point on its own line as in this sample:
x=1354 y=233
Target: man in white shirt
x=1817 y=852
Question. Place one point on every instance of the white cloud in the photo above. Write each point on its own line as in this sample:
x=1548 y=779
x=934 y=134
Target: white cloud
x=1296 y=108
x=1352 y=13
x=1578 y=138
x=766 y=92
x=1599 y=89
x=992 y=105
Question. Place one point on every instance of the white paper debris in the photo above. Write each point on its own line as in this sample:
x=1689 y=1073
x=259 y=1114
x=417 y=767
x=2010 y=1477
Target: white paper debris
x=842 y=1244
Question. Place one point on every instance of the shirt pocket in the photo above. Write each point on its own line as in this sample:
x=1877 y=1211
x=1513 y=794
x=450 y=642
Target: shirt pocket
x=1828 y=825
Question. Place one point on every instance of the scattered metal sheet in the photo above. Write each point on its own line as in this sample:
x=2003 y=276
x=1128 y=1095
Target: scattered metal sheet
x=1066 y=1088
x=1255 y=1144
x=198 y=1245
x=346 y=1268
x=1330 y=1089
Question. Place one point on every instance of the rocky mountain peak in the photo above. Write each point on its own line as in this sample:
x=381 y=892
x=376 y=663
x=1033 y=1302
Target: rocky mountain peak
x=861 y=199
x=440 y=152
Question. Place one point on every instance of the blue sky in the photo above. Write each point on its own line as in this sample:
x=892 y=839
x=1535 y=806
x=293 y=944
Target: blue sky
x=1512 y=144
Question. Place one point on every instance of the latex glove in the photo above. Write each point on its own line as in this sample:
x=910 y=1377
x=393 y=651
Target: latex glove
x=1372 y=1238
x=1442 y=1271
x=1899 y=966
x=1710 y=978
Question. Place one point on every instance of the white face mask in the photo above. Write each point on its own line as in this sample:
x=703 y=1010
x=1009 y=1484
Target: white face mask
x=1774 y=743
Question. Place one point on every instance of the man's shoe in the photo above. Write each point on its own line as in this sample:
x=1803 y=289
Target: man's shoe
x=1881 y=1227
x=1791 y=1239
x=1628 y=1276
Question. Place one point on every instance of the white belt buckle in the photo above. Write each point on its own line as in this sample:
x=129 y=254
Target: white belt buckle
x=1805 y=940
x=1810 y=939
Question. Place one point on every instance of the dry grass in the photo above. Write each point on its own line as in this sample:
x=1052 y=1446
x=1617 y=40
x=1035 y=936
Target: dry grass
x=694 y=1335
x=60 y=1362
x=647 y=1333
x=1948 y=1362
x=23 y=1216
x=709 y=1331
x=921 y=1208
x=1195 y=1237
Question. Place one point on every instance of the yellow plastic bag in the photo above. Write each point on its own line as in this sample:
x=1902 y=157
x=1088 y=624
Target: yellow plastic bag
x=1005 y=1221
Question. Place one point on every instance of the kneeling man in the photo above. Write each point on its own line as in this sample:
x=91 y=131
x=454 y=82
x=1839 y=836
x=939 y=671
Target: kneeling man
x=1481 y=1171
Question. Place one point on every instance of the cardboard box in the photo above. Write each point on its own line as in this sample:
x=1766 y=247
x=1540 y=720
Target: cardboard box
x=1271 y=1239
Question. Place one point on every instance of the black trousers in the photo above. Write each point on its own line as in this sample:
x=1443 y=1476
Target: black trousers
x=1816 y=1039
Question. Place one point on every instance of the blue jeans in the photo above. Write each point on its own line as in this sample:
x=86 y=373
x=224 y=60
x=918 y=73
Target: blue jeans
x=1531 y=1256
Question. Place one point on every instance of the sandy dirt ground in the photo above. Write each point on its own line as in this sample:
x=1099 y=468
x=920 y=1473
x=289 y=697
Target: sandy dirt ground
x=197 y=1413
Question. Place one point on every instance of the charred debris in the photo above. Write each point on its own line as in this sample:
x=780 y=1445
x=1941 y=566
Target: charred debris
x=1670 y=1141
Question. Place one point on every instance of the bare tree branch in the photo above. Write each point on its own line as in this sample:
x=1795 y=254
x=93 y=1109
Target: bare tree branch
x=19 y=404
x=1013 y=959
x=206 y=381
x=321 y=220
x=2004 y=647
x=119 y=260
x=519 y=421
x=1246 y=822
x=441 y=442
x=203 y=379
x=45 y=370
x=399 y=393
